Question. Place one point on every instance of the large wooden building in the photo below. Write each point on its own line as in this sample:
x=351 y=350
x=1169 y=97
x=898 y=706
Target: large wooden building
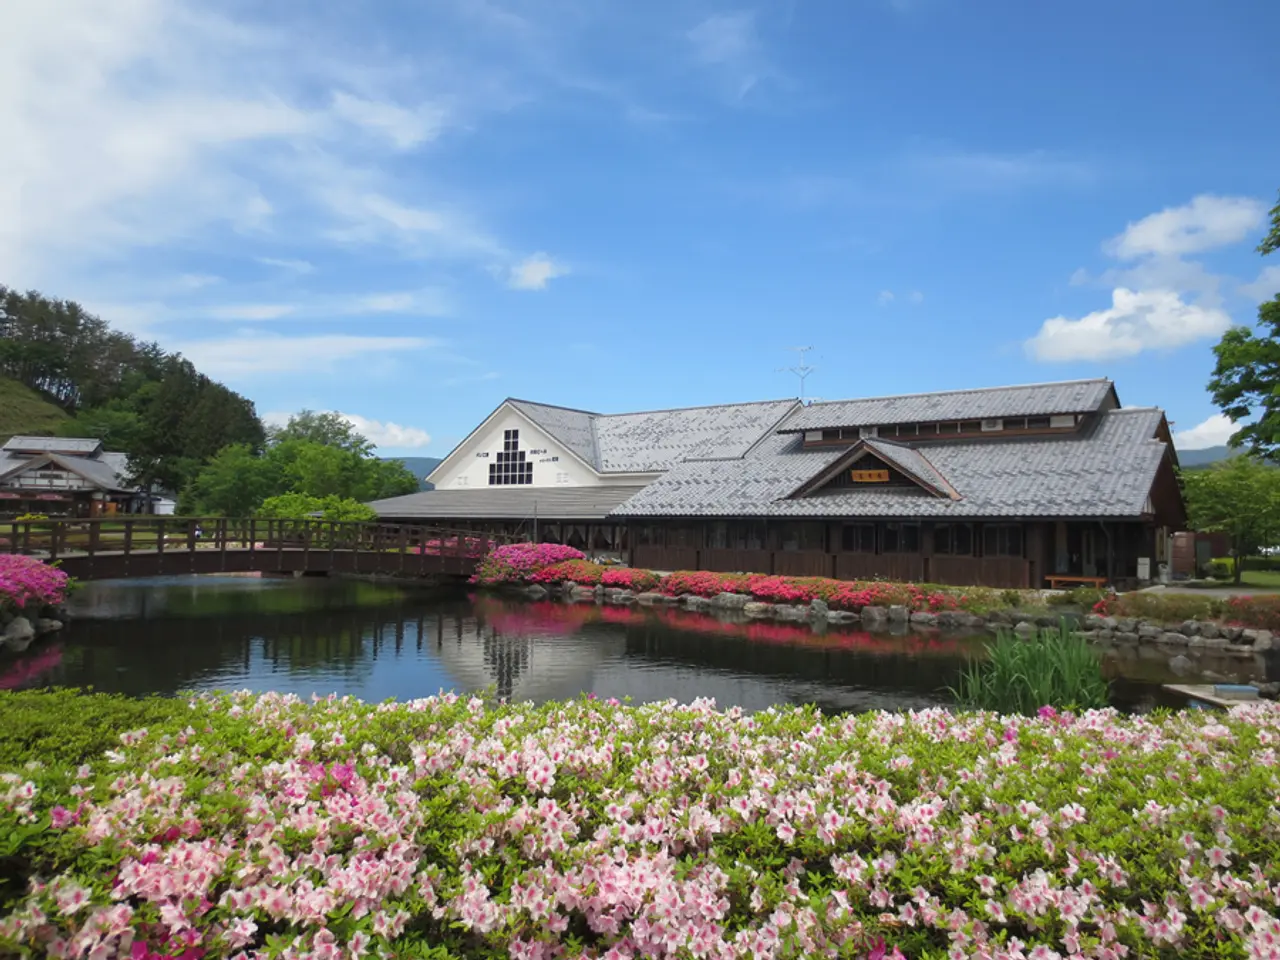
x=1000 y=487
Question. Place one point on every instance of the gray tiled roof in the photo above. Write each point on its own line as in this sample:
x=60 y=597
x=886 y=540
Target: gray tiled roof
x=1106 y=471
x=107 y=470
x=641 y=442
x=573 y=428
x=507 y=503
x=1037 y=399
x=69 y=445
x=655 y=440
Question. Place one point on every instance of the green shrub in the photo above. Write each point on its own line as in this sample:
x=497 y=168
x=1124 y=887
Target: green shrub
x=63 y=727
x=300 y=506
x=1011 y=598
x=1165 y=607
x=1085 y=597
x=1055 y=668
x=1222 y=568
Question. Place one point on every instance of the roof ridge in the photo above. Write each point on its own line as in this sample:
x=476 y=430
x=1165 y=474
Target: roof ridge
x=552 y=406
x=705 y=406
x=950 y=393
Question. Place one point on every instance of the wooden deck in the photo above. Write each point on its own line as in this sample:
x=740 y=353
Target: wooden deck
x=108 y=549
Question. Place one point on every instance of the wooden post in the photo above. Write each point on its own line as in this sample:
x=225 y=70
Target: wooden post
x=222 y=544
x=128 y=537
x=94 y=530
x=159 y=528
x=55 y=533
x=253 y=539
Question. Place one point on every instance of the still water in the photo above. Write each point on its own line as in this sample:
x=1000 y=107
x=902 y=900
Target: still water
x=374 y=641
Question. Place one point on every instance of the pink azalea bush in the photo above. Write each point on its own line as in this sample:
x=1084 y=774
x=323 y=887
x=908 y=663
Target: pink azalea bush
x=517 y=562
x=838 y=594
x=26 y=582
x=443 y=828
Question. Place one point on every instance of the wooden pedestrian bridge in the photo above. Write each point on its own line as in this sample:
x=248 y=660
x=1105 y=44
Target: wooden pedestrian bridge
x=113 y=548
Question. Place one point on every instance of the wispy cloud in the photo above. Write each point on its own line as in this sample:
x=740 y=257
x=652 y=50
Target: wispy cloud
x=381 y=433
x=535 y=272
x=1265 y=287
x=728 y=44
x=251 y=311
x=887 y=297
x=293 y=266
x=992 y=171
x=250 y=355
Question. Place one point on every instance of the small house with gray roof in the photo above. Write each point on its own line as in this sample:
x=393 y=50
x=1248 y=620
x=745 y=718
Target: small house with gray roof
x=1002 y=487
x=65 y=477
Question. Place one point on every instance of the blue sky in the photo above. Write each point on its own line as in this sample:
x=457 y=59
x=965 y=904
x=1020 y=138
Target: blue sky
x=406 y=211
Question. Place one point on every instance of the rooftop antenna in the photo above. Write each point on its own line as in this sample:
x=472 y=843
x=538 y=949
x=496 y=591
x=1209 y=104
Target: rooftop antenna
x=801 y=369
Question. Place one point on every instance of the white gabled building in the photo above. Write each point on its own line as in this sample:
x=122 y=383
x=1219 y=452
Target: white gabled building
x=566 y=469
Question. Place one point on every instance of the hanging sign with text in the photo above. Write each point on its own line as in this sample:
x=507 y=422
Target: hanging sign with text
x=869 y=476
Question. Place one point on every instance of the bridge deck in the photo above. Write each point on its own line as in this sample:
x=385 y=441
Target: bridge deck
x=157 y=546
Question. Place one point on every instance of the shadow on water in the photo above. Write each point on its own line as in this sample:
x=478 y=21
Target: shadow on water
x=376 y=641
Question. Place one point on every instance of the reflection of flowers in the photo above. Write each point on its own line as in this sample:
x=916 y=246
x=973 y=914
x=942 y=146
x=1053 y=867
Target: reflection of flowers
x=551 y=619
x=455 y=546
x=27 y=669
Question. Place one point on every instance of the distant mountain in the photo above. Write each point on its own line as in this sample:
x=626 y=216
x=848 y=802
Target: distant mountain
x=419 y=467
x=1202 y=458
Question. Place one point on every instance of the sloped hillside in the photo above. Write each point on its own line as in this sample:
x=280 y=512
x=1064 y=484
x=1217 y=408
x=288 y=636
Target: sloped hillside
x=23 y=411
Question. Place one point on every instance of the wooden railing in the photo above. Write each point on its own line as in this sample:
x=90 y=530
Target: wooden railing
x=135 y=536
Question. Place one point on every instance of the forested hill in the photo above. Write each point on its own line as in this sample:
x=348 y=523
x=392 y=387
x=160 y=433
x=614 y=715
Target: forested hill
x=129 y=393
x=419 y=467
x=22 y=410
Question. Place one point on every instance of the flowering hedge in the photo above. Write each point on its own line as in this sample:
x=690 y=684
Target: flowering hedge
x=263 y=826
x=516 y=562
x=1262 y=612
x=26 y=582
x=550 y=563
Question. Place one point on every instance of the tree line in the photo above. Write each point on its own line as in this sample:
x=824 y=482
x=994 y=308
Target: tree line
x=184 y=432
x=1241 y=495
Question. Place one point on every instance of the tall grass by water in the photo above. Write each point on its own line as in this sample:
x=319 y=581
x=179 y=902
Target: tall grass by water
x=1054 y=668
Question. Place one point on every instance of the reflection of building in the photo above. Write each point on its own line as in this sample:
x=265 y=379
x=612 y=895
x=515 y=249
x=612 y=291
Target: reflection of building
x=1001 y=487
x=65 y=478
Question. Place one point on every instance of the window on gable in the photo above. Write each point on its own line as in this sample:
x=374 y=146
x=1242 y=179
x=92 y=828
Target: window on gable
x=900 y=538
x=971 y=426
x=953 y=539
x=1002 y=540
x=908 y=429
x=510 y=467
x=1038 y=423
x=830 y=435
x=1015 y=423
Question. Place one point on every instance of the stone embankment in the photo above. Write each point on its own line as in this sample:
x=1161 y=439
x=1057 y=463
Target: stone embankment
x=17 y=631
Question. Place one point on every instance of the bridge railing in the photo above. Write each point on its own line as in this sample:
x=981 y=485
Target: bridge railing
x=52 y=539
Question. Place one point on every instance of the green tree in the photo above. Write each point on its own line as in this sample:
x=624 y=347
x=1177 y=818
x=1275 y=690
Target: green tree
x=1246 y=378
x=300 y=506
x=1239 y=497
x=232 y=484
x=330 y=429
x=116 y=426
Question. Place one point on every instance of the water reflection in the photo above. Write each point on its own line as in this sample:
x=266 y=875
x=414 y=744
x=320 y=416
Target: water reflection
x=377 y=641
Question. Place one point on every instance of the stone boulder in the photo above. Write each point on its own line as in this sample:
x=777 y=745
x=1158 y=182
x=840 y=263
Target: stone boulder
x=818 y=609
x=535 y=591
x=1126 y=625
x=648 y=599
x=730 y=601
x=1181 y=666
x=899 y=614
x=1189 y=628
x=1209 y=630
x=48 y=625
x=924 y=619
x=874 y=616
x=756 y=610
x=1149 y=631
x=1124 y=636
x=1026 y=628
x=694 y=602
x=17 y=634
x=619 y=595
x=1173 y=639
x=841 y=616
x=1232 y=634
x=786 y=611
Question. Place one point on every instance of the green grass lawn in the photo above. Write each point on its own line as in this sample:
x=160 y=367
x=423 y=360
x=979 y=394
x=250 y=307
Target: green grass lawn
x=23 y=411
x=1268 y=580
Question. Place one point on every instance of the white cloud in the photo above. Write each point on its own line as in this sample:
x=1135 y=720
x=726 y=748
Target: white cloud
x=388 y=434
x=916 y=297
x=1135 y=321
x=535 y=272
x=913 y=297
x=247 y=355
x=385 y=303
x=1266 y=287
x=1212 y=432
x=1205 y=223
x=251 y=311
x=885 y=298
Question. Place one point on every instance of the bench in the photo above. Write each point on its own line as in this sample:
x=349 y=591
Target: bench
x=1058 y=578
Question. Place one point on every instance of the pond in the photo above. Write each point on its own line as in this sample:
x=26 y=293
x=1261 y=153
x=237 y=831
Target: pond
x=381 y=640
